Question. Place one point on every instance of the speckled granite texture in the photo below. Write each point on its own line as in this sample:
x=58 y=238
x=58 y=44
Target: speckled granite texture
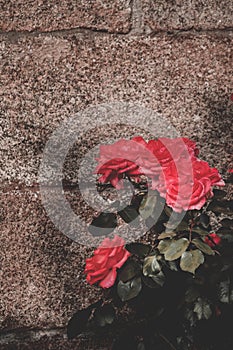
x=42 y=280
x=45 y=80
x=184 y=15
x=50 y=15
x=49 y=76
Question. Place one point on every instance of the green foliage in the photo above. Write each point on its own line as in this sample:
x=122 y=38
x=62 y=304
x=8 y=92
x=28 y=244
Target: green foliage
x=178 y=272
x=202 y=309
x=225 y=291
x=129 y=214
x=191 y=260
x=138 y=249
x=129 y=270
x=149 y=204
x=129 y=290
x=77 y=323
x=175 y=249
x=205 y=248
x=103 y=224
x=104 y=315
x=151 y=266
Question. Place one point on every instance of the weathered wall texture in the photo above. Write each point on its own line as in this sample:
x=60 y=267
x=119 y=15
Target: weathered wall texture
x=57 y=58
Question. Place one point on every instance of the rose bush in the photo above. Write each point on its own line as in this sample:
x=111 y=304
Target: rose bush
x=171 y=164
x=188 y=254
x=108 y=257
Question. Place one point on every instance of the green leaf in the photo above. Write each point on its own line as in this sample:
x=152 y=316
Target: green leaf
x=225 y=291
x=151 y=266
x=221 y=207
x=176 y=249
x=103 y=224
x=130 y=289
x=190 y=316
x=177 y=226
x=159 y=279
x=104 y=315
x=166 y=235
x=202 y=309
x=149 y=204
x=199 y=230
x=205 y=248
x=155 y=281
x=203 y=220
x=77 y=323
x=164 y=245
x=130 y=269
x=138 y=249
x=129 y=214
x=157 y=228
x=136 y=201
x=191 y=260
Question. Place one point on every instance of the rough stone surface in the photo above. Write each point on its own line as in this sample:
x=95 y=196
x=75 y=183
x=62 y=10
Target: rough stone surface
x=187 y=79
x=183 y=15
x=42 y=279
x=19 y=15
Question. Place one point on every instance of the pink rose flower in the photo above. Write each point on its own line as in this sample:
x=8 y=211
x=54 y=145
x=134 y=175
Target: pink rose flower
x=108 y=257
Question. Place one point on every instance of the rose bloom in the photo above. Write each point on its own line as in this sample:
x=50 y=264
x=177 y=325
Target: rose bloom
x=186 y=188
x=172 y=165
x=108 y=257
x=124 y=157
x=212 y=240
x=137 y=157
x=168 y=150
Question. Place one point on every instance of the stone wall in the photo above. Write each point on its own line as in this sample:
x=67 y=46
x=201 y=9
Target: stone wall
x=58 y=58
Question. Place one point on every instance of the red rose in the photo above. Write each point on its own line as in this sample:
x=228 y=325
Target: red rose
x=202 y=170
x=187 y=189
x=137 y=157
x=212 y=240
x=230 y=170
x=182 y=201
x=172 y=165
x=168 y=150
x=122 y=157
x=108 y=257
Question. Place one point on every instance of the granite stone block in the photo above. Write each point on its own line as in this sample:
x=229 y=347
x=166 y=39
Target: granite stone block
x=169 y=15
x=112 y=16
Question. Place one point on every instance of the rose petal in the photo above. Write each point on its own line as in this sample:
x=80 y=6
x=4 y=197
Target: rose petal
x=109 y=280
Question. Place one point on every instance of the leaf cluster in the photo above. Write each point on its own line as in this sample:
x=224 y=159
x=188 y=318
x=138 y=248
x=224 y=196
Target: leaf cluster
x=177 y=282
